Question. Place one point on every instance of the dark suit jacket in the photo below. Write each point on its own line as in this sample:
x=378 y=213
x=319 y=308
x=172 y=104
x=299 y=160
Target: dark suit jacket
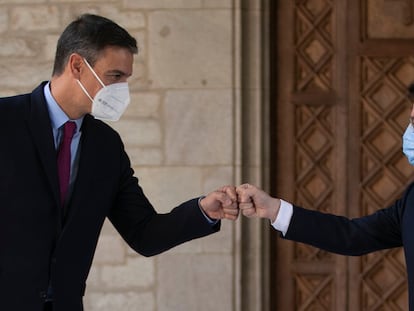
x=387 y=228
x=36 y=245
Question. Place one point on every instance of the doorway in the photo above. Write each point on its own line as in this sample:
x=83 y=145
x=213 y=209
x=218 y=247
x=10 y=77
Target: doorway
x=340 y=72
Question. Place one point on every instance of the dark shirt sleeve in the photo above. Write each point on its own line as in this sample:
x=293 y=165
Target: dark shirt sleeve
x=337 y=234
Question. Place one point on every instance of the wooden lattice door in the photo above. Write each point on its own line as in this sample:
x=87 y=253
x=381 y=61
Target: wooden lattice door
x=342 y=69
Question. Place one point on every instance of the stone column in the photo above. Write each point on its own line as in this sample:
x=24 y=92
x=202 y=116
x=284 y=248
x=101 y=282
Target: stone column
x=255 y=283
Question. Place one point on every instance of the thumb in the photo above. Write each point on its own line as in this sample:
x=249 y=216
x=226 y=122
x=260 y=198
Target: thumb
x=223 y=198
x=245 y=193
x=217 y=197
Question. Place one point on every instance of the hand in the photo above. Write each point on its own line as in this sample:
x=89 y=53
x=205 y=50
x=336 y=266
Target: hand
x=221 y=203
x=254 y=202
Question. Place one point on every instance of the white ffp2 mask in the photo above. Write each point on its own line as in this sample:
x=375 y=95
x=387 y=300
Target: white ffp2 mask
x=110 y=101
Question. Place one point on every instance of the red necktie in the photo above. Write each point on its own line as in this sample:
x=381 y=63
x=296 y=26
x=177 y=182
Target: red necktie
x=63 y=158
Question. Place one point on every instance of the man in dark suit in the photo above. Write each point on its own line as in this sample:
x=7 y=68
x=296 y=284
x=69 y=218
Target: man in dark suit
x=63 y=171
x=387 y=228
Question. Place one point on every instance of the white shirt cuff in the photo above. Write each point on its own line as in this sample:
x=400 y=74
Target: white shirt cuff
x=283 y=218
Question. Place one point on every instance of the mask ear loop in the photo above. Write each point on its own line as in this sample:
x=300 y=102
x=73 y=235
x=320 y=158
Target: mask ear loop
x=84 y=90
x=94 y=73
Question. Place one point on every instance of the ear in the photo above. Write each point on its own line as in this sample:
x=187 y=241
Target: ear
x=75 y=64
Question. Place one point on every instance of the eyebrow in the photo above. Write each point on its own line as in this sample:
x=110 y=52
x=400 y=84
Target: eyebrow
x=117 y=72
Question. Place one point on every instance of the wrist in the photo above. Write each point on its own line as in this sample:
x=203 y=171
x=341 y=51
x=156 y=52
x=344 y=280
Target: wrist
x=210 y=220
x=274 y=209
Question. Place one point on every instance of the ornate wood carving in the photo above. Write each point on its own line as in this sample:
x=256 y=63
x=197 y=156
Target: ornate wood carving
x=314 y=158
x=407 y=7
x=314 y=143
x=387 y=19
x=314 y=49
x=315 y=292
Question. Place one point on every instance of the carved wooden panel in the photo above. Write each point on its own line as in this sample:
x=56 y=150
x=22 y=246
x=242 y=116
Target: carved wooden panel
x=313 y=41
x=388 y=19
x=314 y=291
x=363 y=82
x=314 y=144
x=314 y=166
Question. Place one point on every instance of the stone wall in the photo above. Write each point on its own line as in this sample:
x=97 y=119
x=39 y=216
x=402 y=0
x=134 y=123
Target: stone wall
x=180 y=132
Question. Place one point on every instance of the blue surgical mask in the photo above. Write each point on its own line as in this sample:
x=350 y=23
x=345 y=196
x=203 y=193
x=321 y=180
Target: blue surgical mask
x=408 y=143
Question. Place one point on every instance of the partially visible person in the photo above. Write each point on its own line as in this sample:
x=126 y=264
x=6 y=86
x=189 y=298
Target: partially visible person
x=387 y=228
x=63 y=172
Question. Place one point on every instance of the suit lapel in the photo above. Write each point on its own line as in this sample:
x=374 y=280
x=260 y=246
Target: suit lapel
x=41 y=130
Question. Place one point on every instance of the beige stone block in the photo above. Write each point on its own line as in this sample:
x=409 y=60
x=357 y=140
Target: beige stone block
x=69 y=13
x=216 y=177
x=139 y=80
x=131 y=252
x=222 y=241
x=44 y=17
x=49 y=49
x=199 y=127
x=141 y=37
x=7 y=92
x=190 y=49
x=111 y=249
x=195 y=282
x=25 y=74
x=128 y=19
x=144 y=105
x=190 y=247
x=4 y=21
x=74 y=1
x=19 y=47
x=108 y=228
x=167 y=187
x=93 y=281
x=162 y=4
x=218 y=243
x=137 y=272
x=125 y=301
x=218 y=4
x=21 y=1
x=145 y=156
x=138 y=133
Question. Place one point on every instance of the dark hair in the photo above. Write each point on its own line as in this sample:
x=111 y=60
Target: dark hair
x=88 y=35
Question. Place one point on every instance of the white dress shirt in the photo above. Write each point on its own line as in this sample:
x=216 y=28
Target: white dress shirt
x=283 y=218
